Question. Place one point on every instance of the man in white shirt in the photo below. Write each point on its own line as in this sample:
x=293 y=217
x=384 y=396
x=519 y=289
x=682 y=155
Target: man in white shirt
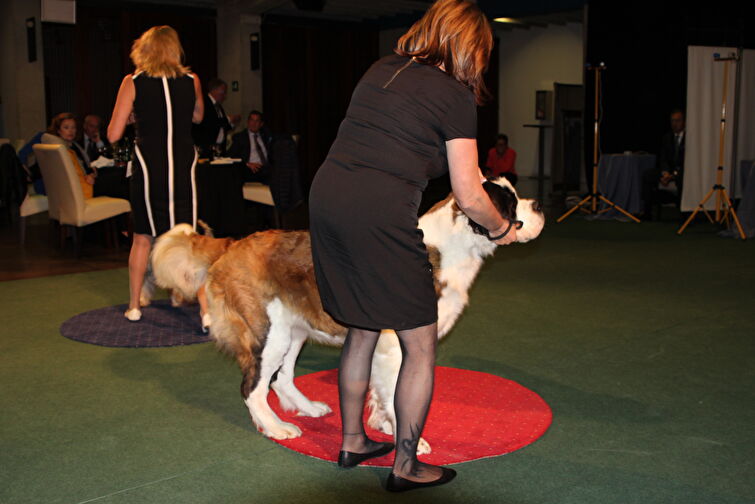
x=252 y=146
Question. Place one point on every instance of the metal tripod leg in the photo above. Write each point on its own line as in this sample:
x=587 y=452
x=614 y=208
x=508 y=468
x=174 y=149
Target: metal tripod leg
x=575 y=207
x=700 y=206
x=617 y=207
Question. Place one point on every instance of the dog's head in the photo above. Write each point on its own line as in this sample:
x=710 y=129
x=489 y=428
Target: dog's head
x=528 y=212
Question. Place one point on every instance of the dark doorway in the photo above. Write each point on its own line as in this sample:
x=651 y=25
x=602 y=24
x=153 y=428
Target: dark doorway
x=567 y=163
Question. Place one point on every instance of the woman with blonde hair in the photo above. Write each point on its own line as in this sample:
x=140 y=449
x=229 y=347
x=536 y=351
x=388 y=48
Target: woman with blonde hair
x=162 y=97
x=412 y=117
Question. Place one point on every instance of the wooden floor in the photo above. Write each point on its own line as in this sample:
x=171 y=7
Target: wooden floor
x=40 y=256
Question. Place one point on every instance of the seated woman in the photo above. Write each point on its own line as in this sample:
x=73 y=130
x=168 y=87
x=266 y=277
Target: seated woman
x=62 y=130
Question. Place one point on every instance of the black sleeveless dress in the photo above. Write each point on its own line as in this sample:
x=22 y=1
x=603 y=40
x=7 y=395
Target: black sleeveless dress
x=370 y=261
x=163 y=191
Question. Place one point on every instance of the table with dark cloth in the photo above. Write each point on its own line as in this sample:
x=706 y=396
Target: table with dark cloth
x=112 y=181
x=220 y=198
x=746 y=208
x=620 y=180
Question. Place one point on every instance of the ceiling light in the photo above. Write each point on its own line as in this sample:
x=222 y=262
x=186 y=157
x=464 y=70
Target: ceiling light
x=507 y=20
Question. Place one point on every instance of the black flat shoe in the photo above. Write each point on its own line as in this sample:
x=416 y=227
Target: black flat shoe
x=399 y=484
x=348 y=459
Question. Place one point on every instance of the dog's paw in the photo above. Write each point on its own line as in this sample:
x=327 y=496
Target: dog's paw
x=423 y=448
x=144 y=300
x=386 y=428
x=176 y=298
x=315 y=409
x=283 y=430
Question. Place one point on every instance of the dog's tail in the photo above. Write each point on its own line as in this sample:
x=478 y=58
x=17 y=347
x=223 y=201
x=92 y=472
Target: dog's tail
x=180 y=259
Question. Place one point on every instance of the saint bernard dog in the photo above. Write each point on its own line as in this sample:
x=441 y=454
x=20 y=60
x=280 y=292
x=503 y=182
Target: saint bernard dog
x=263 y=302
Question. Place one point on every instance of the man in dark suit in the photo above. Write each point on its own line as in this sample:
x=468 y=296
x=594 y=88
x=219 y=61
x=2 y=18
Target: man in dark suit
x=252 y=146
x=668 y=176
x=91 y=139
x=216 y=124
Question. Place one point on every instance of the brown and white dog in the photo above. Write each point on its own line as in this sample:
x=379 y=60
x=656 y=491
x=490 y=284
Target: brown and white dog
x=264 y=304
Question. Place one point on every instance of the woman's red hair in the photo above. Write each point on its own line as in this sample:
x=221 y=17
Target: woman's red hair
x=456 y=34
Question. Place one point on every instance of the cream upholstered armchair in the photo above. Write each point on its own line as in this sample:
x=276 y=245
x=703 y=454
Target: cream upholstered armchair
x=66 y=199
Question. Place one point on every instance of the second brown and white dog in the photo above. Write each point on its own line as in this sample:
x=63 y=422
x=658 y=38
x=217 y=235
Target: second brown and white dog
x=264 y=304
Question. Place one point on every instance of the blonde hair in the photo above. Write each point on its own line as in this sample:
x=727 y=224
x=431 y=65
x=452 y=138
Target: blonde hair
x=454 y=33
x=158 y=53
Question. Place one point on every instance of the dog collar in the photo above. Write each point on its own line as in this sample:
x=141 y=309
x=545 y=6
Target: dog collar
x=516 y=223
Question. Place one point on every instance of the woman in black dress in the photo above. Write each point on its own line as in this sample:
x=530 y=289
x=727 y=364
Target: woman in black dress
x=412 y=117
x=165 y=98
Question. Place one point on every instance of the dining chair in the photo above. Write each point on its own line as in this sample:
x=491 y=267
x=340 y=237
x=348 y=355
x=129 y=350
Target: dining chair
x=66 y=200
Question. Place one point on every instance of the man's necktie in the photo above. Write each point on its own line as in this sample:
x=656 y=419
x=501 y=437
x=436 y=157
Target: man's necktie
x=92 y=150
x=677 y=145
x=263 y=158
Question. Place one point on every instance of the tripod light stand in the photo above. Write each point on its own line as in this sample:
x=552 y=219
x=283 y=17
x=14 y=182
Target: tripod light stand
x=595 y=197
x=723 y=203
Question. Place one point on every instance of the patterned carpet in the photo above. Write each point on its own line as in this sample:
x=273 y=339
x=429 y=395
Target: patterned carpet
x=161 y=326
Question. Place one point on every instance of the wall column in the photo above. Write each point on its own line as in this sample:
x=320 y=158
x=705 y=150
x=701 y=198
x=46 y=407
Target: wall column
x=22 y=88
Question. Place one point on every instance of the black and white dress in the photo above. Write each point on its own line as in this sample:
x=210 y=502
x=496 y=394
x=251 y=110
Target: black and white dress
x=163 y=189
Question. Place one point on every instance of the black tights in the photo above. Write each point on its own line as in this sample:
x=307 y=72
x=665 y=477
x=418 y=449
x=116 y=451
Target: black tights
x=414 y=390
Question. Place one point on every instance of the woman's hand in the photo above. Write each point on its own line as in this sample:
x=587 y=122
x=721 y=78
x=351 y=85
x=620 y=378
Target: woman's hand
x=90 y=179
x=510 y=236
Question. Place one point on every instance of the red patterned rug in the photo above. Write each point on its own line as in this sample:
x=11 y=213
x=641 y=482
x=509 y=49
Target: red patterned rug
x=473 y=415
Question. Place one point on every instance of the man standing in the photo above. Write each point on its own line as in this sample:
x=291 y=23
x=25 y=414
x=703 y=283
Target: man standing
x=502 y=160
x=92 y=140
x=216 y=124
x=253 y=147
x=669 y=173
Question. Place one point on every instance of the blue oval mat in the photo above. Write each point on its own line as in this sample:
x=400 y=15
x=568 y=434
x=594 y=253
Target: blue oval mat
x=161 y=326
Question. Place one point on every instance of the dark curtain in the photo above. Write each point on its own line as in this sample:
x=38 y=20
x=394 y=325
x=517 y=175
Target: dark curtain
x=487 y=114
x=644 y=46
x=309 y=73
x=85 y=62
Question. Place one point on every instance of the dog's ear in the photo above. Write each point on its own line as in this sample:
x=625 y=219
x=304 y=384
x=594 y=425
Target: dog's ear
x=504 y=200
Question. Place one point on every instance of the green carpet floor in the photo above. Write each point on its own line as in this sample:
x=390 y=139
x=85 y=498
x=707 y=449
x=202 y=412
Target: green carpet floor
x=640 y=340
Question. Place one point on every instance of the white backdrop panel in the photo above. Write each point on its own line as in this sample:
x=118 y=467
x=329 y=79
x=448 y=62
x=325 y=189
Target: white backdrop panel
x=705 y=80
x=746 y=121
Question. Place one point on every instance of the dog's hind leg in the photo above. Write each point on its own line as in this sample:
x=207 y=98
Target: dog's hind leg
x=204 y=312
x=291 y=398
x=277 y=344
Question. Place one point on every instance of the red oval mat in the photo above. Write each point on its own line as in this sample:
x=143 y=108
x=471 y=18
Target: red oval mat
x=473 y=415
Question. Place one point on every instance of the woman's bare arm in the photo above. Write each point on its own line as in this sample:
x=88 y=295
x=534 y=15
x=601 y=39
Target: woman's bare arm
x=198 y=102
x=124 y=105
x=468 y=192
